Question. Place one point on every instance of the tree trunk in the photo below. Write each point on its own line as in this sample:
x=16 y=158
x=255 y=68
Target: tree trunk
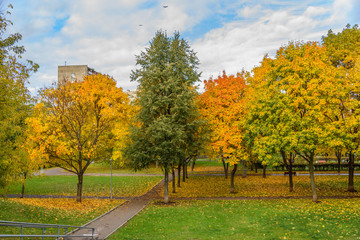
x=226 y=167
x=22 y=190
x=288 y=160
x=232 y=185
x=179 y=175
x=244 y=169
x=173 y=180
x=166 y=186
x=291 y=183
x=255 y=165
x=338 y=157
x=184 y=170
x=351 y=172
x=264 y=171
x=193 y=164
x=23 y=187
x=312 y=180
x=157 y=164
x=79 y=187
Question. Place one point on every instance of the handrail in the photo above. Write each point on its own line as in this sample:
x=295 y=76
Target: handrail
x=23 y=225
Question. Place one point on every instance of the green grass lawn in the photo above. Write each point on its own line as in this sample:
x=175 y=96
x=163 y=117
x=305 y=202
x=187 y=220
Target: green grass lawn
x=255 y=219
x=201 y=165
x=105 y=168
x=93 y=185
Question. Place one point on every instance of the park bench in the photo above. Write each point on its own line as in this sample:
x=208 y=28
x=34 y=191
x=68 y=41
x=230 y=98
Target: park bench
x=287 y=173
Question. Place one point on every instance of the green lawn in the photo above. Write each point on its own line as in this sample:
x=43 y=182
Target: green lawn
x=93 y=185
x=255 y=219
x=105 y=168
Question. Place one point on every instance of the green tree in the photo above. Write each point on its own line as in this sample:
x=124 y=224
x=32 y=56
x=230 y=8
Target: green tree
x=166 y=74
x=301 y=82
x=269 y=120
x=14 y=99
x=343 y=50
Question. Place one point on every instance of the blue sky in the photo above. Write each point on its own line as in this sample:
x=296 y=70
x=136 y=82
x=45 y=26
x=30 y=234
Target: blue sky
x=227 y=35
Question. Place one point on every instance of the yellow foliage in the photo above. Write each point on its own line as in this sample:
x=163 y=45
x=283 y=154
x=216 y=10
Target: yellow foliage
x=79 y=122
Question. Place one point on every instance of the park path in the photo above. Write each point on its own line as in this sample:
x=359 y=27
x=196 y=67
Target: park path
x=108 y=223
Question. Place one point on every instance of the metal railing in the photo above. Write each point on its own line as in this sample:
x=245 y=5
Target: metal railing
x=61 y=230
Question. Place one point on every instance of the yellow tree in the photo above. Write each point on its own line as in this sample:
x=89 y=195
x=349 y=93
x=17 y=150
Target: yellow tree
x=343 y=50
x=15 y=99
x=290 y=116
x=72 y=125
x=222 y=105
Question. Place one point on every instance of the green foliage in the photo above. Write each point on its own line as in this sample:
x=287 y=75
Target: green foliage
x=14 y=101
x=168 y=70
x=343 y=47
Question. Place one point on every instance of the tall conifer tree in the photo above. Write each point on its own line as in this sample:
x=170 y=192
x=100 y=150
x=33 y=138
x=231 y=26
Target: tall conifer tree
x=166 y=75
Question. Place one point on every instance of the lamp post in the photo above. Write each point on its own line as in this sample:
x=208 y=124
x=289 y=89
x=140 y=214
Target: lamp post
x=111 y=162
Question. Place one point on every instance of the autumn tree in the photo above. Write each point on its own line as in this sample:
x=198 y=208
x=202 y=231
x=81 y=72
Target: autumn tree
x=269 y=120
x=343 y=50
x=14 y=100
x=166 y=74
x=72 y=124
x=222 y=105
x=301 y=82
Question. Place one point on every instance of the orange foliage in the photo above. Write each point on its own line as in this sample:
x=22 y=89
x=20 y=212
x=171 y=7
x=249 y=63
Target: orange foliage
x=222 y=104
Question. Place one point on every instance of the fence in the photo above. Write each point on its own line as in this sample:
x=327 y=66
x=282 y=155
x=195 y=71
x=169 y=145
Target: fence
x=57 y=231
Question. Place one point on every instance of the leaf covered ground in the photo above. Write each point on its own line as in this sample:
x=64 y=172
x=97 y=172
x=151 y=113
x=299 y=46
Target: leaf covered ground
x=52 y=211
x=257 y=186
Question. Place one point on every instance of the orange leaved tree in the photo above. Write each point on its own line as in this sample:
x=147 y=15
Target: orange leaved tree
x=222 y=105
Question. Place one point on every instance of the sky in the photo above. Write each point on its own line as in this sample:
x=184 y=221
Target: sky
x=227 y=35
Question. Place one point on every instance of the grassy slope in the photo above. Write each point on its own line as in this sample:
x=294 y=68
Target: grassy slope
x=53 y=211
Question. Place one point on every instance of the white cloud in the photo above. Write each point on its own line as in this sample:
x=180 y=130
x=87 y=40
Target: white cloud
x=106 y=34
x=340 y=10
x=243 y=44
x=248 y=12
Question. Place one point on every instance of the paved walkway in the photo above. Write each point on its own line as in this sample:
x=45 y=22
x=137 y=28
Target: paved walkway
x=108 y=223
